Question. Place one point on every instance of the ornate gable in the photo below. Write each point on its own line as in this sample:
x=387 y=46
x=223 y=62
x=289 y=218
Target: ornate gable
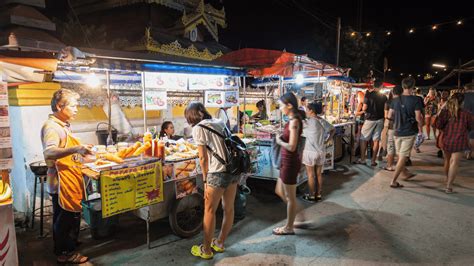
x=206 y=15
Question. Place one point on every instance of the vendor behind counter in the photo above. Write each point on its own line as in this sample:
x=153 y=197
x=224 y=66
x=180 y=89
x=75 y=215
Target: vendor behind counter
x=167 y=130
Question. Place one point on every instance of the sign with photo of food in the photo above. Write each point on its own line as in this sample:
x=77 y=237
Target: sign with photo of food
x=155 y=100
x=214 y=99
x=166 y=81
x=6 y=156
x=206 y=82
x=231 y=98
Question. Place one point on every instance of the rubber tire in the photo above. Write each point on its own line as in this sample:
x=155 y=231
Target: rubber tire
x=173 y=218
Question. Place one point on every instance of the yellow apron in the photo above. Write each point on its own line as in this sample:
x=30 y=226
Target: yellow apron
x=71 y=187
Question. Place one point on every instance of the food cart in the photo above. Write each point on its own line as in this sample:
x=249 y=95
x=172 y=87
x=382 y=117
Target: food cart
x=169 y=177
x=275 y=73
x=339 y=99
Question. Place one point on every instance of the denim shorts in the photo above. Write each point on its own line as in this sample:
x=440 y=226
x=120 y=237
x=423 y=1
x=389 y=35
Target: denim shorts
x=221 y=180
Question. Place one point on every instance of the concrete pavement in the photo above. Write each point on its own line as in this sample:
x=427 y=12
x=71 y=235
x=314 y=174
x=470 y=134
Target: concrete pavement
x=361 y=221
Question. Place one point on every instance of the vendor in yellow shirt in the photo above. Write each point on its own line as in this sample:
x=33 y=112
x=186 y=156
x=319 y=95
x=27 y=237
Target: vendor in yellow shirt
x=63 y=154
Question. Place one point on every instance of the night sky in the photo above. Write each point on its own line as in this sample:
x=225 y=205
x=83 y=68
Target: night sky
x=281 y=24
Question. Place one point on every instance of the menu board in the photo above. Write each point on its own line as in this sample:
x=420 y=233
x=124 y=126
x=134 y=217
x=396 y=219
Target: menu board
x=155 y=100
x=214 y=98
x=131 y=188
x=206 y=82
x=329 y=156
x=6 y=156
x=167 y=81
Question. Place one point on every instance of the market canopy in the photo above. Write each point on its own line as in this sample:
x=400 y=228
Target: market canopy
x=20 y=69
x=268 y=63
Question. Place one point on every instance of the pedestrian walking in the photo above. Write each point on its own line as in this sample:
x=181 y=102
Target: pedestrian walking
x=290 y=160
x=456 y=124
x=373 y=109
x=391 y=151
x=469 y=107
x=317 y=132
x=218 y=185
x=408 y=122
x=431 y=109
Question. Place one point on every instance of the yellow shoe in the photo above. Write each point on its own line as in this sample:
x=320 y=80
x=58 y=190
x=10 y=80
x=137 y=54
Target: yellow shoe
x=198 y=252
x=215 y=247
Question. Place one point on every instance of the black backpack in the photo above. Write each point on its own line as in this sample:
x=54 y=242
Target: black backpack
x=238 y=158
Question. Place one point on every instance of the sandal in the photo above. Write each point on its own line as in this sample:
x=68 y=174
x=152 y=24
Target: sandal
x=309 y=198
x=281 y=231
x=449 y=191
x=390 y=169
x=216 y=247
x=74 y=258
x=319 y=197
x=198 y=251
x=358 y=161
x=396 y=185
x=373 y=164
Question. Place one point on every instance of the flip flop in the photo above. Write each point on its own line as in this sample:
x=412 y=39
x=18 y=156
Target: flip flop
x=74 y=258
x=449 y=191
x=396 y=185
x=280 y=231
x=215 y=247
x=358 y=161
x=198 y=252
x=373 y=164
x=388 y=169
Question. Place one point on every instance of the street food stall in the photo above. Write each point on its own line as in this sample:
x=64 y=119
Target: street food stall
x=153 y=177
x=273 y=74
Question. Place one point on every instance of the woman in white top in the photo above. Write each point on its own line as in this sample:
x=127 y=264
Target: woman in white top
x=217 y=183
x=318 y=132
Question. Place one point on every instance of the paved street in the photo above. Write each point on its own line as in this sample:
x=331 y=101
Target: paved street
x=362 y=221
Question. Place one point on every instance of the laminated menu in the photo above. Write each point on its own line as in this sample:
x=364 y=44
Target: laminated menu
x=131 y=188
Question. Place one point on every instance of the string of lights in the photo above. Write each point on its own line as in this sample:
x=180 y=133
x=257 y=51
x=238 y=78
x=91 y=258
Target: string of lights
x=412 y=30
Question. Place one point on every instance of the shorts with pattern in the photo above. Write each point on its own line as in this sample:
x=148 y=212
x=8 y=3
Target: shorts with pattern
x=221 y=180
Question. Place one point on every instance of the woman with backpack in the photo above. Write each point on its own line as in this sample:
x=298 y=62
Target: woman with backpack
x=318 y=132
x=455 y=124
x=290 y=160
x=217 y=183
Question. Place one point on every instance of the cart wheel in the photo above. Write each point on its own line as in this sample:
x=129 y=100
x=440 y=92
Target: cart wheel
x=186 y=215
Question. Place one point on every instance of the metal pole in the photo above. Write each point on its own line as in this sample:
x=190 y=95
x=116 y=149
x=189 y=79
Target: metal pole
x=245 y=101
x=110 y=140
x=338 y=39
x=144 y=102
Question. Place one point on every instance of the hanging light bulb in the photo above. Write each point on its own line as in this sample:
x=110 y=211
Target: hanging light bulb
x=353 y=34
x=459 y=22
x=412 y=30
x=435 y=27
x=92 y=80
x=368 y=34
x=401 y=74
x=389 y=33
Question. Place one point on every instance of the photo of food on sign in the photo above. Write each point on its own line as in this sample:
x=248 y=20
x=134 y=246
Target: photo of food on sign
x=156 y=100
x=214 y=98
x=231 y=98
x=185 y=187
x=185 y=169
x=168 y=170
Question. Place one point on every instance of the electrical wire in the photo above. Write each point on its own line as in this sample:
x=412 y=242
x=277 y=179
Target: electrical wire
x=302 y=8
x=80 y=25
